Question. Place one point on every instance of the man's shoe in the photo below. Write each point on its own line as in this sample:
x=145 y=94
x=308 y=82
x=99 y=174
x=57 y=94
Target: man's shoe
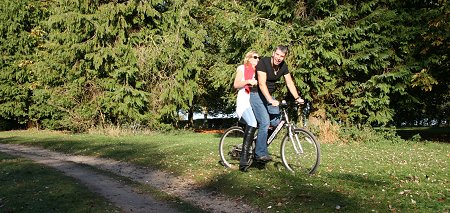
x=264 y=158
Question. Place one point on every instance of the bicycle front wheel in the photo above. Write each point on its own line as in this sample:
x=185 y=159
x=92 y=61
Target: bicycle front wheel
x=300 y=152
x=230 y=147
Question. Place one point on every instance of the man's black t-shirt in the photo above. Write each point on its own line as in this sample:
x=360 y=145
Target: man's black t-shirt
x=265 y=65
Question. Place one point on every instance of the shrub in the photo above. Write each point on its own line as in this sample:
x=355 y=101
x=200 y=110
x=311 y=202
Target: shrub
x=367 y=134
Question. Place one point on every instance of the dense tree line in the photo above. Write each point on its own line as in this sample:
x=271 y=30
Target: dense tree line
x=77 y=64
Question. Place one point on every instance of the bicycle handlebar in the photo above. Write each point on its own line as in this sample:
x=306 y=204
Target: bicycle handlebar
x=284 y=103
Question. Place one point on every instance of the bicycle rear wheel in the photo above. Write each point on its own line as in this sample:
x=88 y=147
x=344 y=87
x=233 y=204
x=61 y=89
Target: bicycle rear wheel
x=230 y=147
x=301 y=152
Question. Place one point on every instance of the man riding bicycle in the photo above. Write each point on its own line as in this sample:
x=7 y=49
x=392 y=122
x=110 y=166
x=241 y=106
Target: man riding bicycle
x=269 y=70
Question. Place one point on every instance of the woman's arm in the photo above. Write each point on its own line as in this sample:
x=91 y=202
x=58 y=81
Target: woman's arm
x=238 y=83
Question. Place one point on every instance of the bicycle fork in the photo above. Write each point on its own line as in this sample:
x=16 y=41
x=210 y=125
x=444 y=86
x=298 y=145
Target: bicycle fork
x=295 y=141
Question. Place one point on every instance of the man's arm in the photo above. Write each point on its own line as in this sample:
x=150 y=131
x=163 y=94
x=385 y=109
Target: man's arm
x=291 y=86
x=262 y=78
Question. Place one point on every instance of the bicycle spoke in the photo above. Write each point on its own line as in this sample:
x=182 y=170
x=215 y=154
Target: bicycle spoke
x=230 y=147
x=301 y=152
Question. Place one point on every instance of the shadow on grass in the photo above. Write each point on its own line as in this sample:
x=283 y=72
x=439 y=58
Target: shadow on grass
x=293 y=194
x=437 y=134
x=357 y=180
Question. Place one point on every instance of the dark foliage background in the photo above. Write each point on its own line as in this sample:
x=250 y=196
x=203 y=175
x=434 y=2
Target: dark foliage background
x=79 y=64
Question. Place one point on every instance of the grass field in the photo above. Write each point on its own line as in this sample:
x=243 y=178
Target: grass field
x=378 y=176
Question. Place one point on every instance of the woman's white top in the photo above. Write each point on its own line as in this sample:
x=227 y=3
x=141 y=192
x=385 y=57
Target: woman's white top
x=243 y=98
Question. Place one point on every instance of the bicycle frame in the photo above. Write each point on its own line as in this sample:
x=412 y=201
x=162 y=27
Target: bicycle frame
x=284 y=122
x=275 y=133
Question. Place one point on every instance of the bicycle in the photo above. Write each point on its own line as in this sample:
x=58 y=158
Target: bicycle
x=299 y=149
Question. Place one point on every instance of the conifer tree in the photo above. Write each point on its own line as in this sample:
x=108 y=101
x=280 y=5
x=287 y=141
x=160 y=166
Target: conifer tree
x=20 y=35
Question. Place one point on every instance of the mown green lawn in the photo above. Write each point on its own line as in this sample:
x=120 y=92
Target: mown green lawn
x=377 y=176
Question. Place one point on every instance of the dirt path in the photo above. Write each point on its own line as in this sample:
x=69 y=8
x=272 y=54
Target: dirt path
x=122 y=195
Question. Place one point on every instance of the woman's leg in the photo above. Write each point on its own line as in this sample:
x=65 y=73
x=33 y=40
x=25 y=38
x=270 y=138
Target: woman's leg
x=249 y=134
x=249 y=117
x=248 y=138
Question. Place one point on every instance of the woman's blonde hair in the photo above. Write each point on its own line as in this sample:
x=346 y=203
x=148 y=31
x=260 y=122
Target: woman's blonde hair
x=249 y=55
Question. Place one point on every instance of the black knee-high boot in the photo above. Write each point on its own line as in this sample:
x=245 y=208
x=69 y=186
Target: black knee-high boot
x=248 y=138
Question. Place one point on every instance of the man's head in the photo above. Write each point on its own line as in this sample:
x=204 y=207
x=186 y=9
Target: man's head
x=279 y=54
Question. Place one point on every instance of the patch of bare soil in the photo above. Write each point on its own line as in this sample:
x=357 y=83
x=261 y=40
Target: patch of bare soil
x=210 y=131
x=122 y=195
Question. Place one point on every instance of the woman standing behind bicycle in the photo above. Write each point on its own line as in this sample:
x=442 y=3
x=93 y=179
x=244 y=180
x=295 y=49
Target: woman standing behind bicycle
x=245 y=79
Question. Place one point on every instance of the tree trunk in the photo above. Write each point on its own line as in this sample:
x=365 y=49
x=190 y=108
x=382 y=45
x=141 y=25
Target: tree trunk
x=191 y=117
